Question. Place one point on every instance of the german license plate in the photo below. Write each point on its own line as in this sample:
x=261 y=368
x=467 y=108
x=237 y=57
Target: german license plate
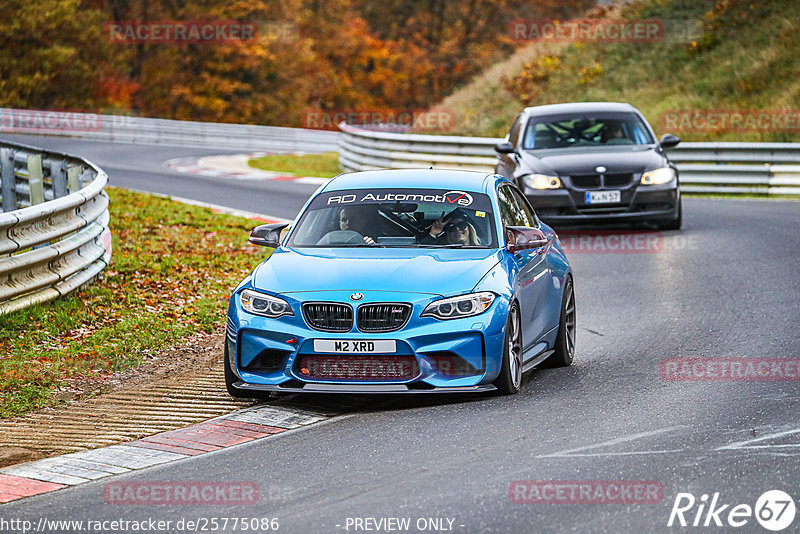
x=603 y=197
x=355 y=346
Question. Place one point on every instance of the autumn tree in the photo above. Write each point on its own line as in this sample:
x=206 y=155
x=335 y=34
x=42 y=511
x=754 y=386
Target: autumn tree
x=52 y=56
x=331 y=54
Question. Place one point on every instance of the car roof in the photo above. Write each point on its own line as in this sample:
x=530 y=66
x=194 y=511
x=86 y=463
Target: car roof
x=580 y=107
x=413 y=178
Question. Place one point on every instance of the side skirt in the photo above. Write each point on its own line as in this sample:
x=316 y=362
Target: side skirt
x=536 y=360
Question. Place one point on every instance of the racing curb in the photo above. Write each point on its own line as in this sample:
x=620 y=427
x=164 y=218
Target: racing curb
x=235 y=166
x=51 y=474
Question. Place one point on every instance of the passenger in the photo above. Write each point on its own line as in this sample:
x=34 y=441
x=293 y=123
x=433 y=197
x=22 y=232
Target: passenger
x=457 y=230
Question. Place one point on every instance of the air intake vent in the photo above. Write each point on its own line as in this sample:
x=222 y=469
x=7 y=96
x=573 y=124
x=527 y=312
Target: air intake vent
x=384 y=317
x=268 y=361
x=617 y=180
x=586 y=181
x=328 y=316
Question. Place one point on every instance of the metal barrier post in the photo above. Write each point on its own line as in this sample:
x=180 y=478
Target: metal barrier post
x=35 y=179
x=73 y=184
x=8 y=180
x=58 y=173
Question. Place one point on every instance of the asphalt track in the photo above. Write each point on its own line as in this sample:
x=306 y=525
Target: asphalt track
x=144 y=167
x=726 y=286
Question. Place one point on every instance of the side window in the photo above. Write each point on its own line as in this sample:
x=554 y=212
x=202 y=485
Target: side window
x=526 y=208
x=511 y=212
x=513 y=134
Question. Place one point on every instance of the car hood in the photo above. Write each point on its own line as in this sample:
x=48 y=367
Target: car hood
x=584 y=161
x=433 y=271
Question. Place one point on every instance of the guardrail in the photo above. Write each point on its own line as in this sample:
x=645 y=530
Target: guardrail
x=54 y=234
x=728 y=168
x=127 y=129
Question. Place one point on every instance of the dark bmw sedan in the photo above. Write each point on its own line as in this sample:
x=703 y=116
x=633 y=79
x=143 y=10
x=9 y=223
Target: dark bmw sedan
x=592 y=162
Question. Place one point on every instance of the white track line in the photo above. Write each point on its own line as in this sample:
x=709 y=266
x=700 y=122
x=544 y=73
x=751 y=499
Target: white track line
x=569 y=453
x=747 y=443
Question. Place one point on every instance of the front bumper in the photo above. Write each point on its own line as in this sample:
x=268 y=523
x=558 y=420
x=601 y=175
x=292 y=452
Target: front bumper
x=471 y=345
x=651 y=203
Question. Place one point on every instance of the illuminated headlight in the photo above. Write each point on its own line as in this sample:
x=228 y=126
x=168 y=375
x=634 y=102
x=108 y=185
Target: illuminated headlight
x=458 y=307
x=658 y=176
x=543 y=181
x=265 y=305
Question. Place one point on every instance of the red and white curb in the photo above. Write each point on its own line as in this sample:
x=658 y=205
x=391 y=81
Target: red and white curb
x=51 y=474
x=236 y=167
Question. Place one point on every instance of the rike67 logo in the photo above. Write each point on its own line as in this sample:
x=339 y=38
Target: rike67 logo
x=774 y=510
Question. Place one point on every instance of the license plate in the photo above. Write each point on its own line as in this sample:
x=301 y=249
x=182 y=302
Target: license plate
x=355 y=346
x=358 y=367
x=603 y=197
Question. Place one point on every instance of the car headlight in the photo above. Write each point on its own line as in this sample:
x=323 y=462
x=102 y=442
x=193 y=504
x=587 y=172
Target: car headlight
x=264 y=305
x=658 y=176
x=461 y=306
x=543 y=181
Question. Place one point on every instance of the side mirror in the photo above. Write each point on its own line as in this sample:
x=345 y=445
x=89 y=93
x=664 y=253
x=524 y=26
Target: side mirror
x=267 y=235
x=669 y=141
x=522 y=238
x=504 y=148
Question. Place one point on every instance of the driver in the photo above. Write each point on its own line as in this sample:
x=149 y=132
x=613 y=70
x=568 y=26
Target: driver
x=354 y=220
x=613 y=131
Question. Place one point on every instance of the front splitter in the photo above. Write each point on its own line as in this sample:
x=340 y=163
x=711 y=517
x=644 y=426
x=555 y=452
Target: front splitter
x=362 y=388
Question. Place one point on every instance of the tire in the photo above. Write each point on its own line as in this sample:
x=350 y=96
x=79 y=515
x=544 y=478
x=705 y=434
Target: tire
x=510 y=378
x=675 y=224
x=230 y=378
x=565 y=339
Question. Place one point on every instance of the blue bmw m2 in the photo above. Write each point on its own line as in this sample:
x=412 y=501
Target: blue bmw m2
x=403 y=281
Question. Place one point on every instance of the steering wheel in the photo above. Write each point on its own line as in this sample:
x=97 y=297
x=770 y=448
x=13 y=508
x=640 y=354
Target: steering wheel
x=341 y=237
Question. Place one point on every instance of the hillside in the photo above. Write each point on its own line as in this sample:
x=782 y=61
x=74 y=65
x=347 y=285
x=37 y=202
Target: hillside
x=743 y=57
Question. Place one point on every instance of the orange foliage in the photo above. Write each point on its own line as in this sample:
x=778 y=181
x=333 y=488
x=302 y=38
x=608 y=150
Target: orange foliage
x=307 y=54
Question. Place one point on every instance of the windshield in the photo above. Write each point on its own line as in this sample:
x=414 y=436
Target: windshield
x=422 y=218
x=586 y=130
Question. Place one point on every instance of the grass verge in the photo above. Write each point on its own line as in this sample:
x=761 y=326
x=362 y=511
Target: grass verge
x=172 y=272
x=325 y=165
